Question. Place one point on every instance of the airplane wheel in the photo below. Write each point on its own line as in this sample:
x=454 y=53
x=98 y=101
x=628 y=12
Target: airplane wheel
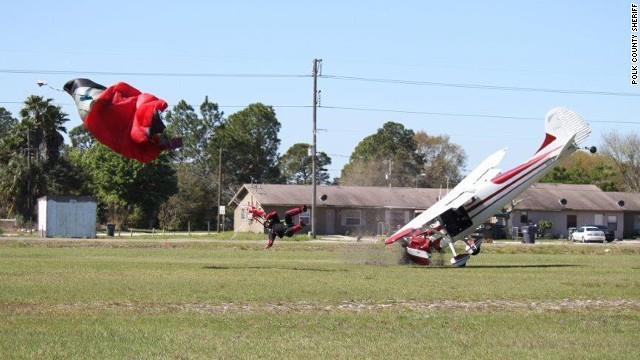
x=456 y=261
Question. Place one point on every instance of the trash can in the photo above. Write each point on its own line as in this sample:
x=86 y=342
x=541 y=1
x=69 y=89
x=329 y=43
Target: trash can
x=532 y=234
x=525 y=234
x=528 y=234
x=111 y=229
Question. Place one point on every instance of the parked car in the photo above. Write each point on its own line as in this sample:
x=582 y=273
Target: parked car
x=609 y=235
x=588 y=233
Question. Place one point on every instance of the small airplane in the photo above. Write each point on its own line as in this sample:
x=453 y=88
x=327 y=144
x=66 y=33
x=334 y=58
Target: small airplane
x=485 y=191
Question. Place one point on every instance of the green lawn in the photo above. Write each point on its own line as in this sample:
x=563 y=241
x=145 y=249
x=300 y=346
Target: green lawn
x=208 y=299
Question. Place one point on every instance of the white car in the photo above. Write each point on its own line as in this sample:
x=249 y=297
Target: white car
x=588 y=233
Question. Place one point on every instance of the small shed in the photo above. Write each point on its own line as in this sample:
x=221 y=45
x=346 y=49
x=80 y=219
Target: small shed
x=67 y=216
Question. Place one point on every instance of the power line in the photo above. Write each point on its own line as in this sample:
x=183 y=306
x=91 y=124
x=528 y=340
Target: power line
x=480 y=86
x=275 y=106
x=451 y=135
x=397 y=111
x=219 y=105
x=334 y=77
x=165 y=74
x=432 y=113
x=369 y=109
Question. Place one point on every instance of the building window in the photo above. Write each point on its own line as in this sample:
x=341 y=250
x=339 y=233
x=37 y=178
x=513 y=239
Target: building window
x=612 y=222
x=352 y=217
x=598 y=219
x=396 y=217
x=572 y=221
x=524 y=217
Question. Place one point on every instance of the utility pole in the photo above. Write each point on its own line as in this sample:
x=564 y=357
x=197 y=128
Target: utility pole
x=316 y=62
x=29 y=176
x=219 y=186
x=387 y=174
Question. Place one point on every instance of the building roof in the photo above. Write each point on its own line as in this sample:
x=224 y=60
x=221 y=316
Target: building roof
x=547 y=197
x=626 y=201
x=539 y=197
x=343 y=196
x=67 y=198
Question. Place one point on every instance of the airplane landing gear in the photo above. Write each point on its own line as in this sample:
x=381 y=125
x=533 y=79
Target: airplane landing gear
x=460 y=260
x=472 y=247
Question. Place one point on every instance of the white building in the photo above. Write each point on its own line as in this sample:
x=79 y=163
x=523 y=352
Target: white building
x=67 y=216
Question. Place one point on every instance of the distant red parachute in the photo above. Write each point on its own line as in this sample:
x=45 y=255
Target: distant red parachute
x=122 y=118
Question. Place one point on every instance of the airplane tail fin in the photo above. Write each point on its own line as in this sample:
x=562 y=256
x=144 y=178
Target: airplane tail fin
x=561 y=125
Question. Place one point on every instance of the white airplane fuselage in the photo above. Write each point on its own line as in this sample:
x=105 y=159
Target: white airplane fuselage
x=486 y=190
x=493 y=197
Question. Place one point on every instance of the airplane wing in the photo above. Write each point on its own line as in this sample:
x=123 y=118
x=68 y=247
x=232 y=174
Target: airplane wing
x=459 y=195
x=483 y=172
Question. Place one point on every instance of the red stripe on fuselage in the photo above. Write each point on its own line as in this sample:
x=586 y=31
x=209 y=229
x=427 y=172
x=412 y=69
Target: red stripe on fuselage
x=501 y=178
x=501 y=190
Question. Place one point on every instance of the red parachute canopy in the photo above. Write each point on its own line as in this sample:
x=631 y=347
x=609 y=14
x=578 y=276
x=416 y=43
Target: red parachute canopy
x=122 y=118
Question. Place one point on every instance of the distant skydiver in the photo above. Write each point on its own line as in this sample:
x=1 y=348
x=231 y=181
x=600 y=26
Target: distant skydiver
x=275 y=227
x=122 y=118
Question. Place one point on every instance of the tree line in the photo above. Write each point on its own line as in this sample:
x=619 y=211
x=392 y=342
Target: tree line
x=181 y=187
x=178 y=188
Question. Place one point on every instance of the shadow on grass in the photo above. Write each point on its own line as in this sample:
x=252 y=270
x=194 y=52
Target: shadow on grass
x=216 y=267
x=502 y=266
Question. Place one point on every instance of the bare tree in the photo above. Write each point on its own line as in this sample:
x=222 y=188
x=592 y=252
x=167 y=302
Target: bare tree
x=444 y=160
x=624 y=149
x=366 y=173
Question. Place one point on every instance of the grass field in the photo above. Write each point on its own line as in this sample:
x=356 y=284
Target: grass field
x=230 y=299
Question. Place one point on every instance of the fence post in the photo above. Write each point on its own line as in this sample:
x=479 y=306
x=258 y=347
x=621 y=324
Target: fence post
x=189 y=227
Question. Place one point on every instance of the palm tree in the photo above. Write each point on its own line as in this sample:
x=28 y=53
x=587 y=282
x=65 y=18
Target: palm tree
x=44 y=122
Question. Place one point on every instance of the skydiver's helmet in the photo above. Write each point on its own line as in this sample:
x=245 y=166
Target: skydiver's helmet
x=157 y=126
x=271 y=219
x=155 y=134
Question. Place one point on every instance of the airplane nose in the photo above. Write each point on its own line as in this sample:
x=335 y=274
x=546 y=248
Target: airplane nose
x=397 y=236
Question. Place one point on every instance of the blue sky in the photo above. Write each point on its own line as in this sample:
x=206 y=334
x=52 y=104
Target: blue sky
x=581 y=45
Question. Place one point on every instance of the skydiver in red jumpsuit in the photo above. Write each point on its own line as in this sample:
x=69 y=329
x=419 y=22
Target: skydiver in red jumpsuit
x=275 y=226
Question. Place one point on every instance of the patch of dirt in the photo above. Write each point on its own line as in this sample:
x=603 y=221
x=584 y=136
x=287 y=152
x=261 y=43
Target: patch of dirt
x=343 y=307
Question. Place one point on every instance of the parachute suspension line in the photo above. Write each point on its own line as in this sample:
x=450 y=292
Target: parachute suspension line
x=42 y=83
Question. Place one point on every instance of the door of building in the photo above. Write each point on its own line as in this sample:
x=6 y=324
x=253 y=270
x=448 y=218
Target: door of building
x=331 y=221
